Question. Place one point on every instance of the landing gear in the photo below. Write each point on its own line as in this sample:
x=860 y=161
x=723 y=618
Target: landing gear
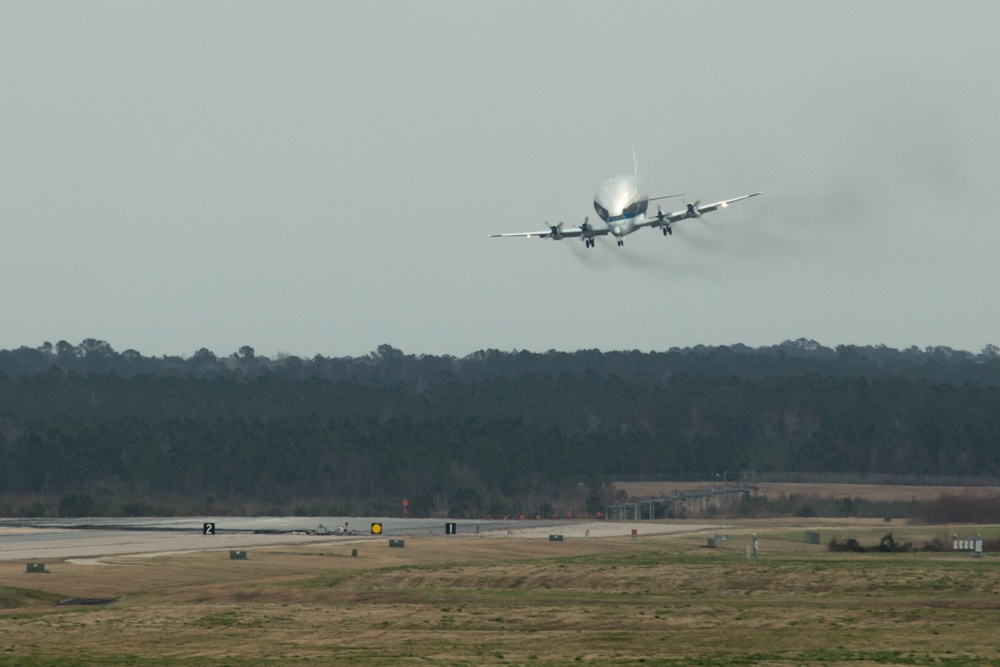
x=588 y=243
x=667 y=231
x=621 y=242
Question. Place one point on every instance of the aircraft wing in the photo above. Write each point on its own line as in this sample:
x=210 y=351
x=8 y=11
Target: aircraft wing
x=558 y=232
x=695 y=210
x=724 y=204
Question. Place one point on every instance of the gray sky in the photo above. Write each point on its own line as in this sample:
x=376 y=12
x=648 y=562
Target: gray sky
x=321 y=178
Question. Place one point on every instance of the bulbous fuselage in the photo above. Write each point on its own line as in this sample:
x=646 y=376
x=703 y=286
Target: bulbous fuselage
x=619 y=201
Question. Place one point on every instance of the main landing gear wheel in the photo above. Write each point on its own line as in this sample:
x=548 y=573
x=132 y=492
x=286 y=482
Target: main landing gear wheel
x=588 y=243
x=667 y=231
x=621 y=242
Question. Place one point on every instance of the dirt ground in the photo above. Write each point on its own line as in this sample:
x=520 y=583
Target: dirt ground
x=865 y=491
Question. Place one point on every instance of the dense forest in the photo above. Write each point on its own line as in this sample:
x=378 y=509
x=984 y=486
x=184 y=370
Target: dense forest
x=86 y=430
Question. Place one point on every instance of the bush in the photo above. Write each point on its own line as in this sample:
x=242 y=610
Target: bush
x=939 y=543
x=887 y=544
x=850 y=544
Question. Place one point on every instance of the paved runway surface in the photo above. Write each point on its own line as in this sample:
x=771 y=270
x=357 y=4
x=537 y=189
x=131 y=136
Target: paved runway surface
x=58 y=539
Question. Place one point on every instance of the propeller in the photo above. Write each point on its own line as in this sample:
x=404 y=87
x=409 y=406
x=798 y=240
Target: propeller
x=556 y=231
x=664 y=223
x=588 y=232
x=692 y=211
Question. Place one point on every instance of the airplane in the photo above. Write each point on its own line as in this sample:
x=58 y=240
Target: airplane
x=621 y=203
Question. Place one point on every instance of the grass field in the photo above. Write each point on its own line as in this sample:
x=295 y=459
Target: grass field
x=470 y=600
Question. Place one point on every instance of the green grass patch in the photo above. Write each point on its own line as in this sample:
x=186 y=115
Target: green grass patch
x=16 y=598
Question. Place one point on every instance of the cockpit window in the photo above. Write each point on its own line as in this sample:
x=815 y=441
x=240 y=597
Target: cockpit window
x=635 y=209
x=601 y=211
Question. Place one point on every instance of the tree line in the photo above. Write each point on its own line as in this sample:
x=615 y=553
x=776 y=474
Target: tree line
x=87 y=430
x=389 y=366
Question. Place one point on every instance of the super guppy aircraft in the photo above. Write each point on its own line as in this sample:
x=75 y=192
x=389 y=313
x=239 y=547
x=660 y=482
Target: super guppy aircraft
x=621 y=203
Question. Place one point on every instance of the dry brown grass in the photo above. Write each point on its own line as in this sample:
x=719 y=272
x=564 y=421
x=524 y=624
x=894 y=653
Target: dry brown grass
x=469 y=600
x=874 y=492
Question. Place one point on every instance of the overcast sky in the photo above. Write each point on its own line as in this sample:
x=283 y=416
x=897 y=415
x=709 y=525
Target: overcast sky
x=322 y=177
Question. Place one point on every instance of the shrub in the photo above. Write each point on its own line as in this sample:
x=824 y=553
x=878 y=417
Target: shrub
x=887 y=544
x=850 y=544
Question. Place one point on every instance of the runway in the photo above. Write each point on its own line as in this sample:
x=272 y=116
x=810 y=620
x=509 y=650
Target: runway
x=61 y=539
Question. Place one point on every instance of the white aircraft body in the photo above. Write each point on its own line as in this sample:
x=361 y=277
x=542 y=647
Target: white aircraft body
x=621 y=204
